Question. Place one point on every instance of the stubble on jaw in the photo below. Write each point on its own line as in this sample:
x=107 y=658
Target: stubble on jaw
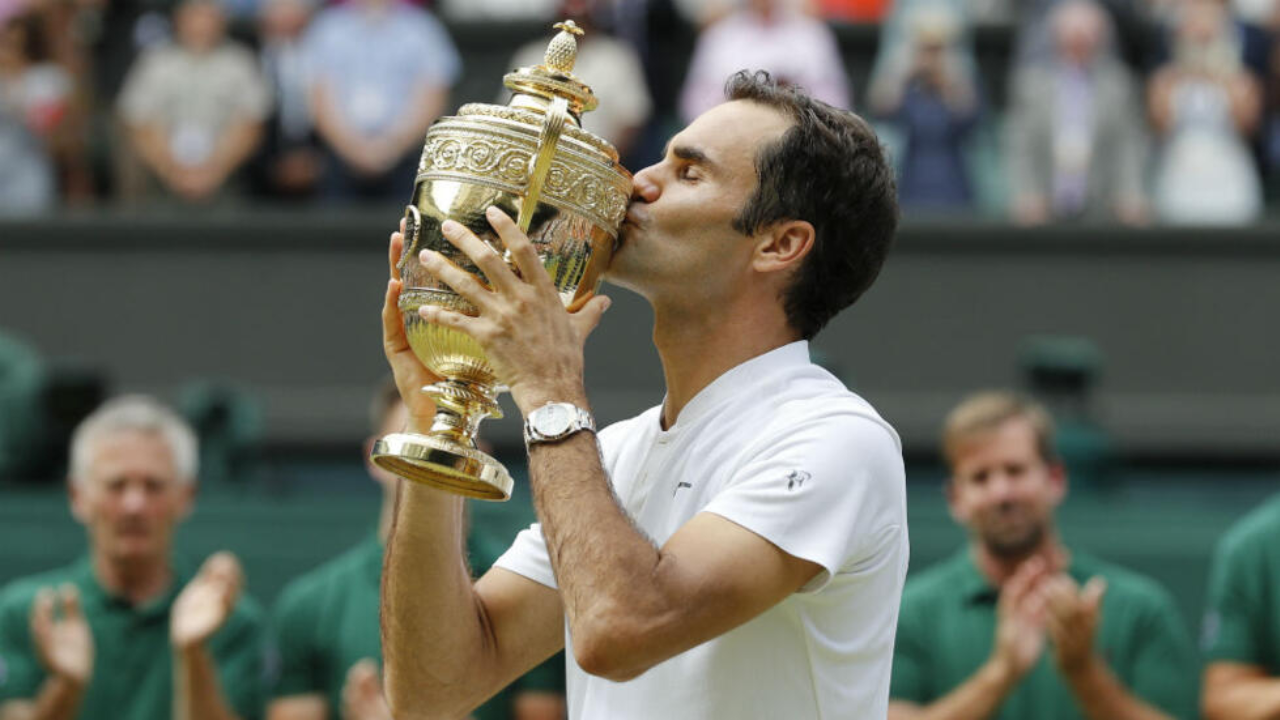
x=1012 y=546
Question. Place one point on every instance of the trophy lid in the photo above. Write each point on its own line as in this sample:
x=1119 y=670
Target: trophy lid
x=554 y=78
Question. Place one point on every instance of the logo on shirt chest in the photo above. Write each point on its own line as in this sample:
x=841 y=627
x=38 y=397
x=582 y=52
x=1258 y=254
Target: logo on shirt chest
x=796 y=479
x=680 y=486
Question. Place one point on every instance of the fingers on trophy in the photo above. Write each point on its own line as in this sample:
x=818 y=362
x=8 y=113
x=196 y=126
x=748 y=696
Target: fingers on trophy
x=565 y=187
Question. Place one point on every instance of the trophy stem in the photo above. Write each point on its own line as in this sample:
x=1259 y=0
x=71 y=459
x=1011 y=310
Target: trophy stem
x=446 y=457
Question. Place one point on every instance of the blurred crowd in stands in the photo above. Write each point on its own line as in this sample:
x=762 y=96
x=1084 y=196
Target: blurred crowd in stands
x=1138 y=111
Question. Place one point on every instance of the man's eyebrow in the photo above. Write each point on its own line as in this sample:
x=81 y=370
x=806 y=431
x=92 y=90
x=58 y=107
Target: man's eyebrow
x=689 y=154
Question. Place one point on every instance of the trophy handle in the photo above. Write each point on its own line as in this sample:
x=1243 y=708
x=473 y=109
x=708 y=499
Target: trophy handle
x=412 y=227
x=540 y=165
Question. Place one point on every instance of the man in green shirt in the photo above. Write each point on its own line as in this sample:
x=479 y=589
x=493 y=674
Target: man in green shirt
x=126 y=633
x=1242 y=626
x=327 y=621
x=1017 y=626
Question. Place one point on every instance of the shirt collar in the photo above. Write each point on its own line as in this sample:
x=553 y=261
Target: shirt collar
x=91 y=590
x=730 y=384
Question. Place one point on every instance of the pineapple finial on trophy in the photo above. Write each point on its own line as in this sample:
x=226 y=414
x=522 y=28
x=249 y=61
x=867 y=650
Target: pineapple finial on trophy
x=562 y=53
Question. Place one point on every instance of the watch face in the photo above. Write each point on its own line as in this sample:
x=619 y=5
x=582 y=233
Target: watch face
x=553 y=420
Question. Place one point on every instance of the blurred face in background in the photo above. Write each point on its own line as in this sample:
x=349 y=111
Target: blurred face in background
x=284 y=19
x=1003 y=491
x=1202 y=43
x=1078 y=30
x=131 y=498
x=200 y=25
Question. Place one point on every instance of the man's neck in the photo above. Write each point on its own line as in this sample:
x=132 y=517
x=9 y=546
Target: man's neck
x=136 y=581
x=997 y=568
x=697 y=348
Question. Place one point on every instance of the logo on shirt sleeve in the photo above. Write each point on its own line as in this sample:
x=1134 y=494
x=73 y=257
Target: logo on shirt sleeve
x=796 y=479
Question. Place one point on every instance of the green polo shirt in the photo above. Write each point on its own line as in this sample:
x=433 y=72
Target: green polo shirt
x=947 y=626
x=327 y=620
x=132 y=663
x=1243 y=620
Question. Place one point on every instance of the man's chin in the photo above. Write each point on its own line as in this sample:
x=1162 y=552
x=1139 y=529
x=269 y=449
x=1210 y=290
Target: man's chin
x=1013 y=545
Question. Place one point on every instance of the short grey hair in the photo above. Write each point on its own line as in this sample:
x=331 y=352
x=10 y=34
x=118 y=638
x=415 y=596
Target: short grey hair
x=135 y=413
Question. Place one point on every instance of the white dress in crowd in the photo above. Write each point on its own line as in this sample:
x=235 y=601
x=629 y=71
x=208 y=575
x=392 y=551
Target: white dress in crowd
x=1206 y=174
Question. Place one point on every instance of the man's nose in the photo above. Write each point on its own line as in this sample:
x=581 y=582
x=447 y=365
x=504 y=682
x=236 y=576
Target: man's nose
x=643 y=186
x=135 y=499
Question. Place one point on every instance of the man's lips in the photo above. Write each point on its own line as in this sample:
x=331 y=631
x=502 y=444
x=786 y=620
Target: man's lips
x=635 y=215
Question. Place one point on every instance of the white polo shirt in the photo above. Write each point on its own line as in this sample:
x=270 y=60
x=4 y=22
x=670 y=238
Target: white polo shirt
x=779 y=446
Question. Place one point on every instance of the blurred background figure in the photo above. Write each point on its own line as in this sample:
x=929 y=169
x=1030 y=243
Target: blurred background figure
x=1019 y=624
x=1242 y=622
x=772 y=35
x=1206 y=108
x=613 y=70
x=194 y=109
x=1076 y=143
x=37 y=124
x=498 y=10
x=128 y=630
x=290 y=163
x=380 y=75
x=932 y=99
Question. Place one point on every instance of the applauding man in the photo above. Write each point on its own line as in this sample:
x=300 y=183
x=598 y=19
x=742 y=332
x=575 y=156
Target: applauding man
x=1017 y=626
x=125 y=633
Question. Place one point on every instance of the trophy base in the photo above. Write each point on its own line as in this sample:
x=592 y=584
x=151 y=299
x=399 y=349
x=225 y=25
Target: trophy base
x=443 y=464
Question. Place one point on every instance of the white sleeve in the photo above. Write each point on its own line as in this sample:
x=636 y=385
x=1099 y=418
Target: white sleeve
x=827 y=490
x=528 y=556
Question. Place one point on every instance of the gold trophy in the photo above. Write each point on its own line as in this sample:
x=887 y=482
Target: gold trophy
x=566 y=190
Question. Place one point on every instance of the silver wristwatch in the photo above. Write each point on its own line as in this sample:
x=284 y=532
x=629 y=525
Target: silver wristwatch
x=556 y=421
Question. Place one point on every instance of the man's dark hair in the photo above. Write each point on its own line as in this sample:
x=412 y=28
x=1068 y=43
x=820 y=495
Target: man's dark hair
x=830 y=170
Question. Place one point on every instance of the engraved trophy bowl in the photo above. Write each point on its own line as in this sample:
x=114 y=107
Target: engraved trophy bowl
x=564 y=186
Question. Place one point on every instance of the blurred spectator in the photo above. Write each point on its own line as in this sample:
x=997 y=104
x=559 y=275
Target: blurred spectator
x=381 y=72
x=128 y=631
x=1205 y=107
x=498 y=10
x=327 y=620
x=795 y=48
x=35 y=125
x=1133 y=36
x=1017 y=625
x=932 y=99
x=612 y=68
x=194 y=109
x=1076 y=142
x=1242 y=624
x=291 y=161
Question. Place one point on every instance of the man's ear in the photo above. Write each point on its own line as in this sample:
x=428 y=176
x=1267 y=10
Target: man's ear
x=784 y=246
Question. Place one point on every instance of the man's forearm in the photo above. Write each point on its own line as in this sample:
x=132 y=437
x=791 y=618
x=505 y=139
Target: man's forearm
x=1244 y=699
x=606 y=569
x=1102 y=697
x=197 y=692
x=434 y=637
x=977 y=698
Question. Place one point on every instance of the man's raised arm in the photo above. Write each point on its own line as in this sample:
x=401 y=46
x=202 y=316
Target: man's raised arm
x=448 y=645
